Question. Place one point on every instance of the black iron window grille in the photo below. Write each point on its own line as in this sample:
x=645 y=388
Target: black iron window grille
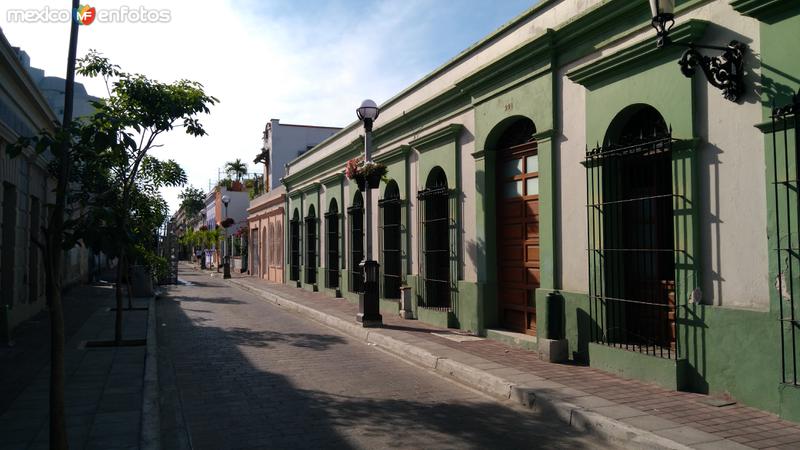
x=436 y=251
x=294 y=231
x=786 y=183
x=631 y=251
x=356 y=214
x=332 y=244
x=390 y=208
x=311 y=249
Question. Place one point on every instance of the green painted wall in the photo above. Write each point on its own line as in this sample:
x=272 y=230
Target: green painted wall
x=780 y=80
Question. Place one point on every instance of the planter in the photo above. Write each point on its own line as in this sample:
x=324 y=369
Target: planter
x=362 y=183
x=374 y=180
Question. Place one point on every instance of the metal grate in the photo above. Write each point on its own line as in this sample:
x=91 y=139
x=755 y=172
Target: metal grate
x=390 y=244
x=332 y=242
x=786 y=182
x=294 y=231
x=632 y=296
x=435 y=224
x=311 y=249
x=356 y=214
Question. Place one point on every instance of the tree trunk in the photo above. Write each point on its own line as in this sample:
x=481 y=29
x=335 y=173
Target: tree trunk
x=58 y=428
x=118 y=295
x=129 y=279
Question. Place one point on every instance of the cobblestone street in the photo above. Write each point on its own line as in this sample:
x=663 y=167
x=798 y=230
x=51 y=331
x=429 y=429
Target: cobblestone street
x=237 y=372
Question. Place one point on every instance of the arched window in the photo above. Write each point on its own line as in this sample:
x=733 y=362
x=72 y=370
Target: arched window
x=279 y=242
x=391 y=240
x=255 y=240
x=294 y=231
x=631 y=247
x=332 y=244
x=265 y=246
x=435 y=224
x=311 y=246
x=272 y=238
x=356 y=213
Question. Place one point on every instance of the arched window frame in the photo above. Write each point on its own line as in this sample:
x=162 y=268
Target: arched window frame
x=390 y=240
x=332 y=243
x=632 y=310
x=438 y=269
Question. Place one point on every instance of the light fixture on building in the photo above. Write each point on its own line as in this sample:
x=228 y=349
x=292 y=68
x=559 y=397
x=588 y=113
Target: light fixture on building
x=725 y=72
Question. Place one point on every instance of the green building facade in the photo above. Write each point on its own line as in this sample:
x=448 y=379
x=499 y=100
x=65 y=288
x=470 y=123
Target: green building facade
x=563 y=176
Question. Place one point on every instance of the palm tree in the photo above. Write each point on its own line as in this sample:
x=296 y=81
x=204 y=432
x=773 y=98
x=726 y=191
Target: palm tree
x=236 y=168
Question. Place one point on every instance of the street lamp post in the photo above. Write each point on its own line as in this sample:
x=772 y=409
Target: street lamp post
x=368 y=304
x=225 y=250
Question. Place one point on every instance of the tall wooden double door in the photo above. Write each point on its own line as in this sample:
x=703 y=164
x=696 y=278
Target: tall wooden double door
x=518 y=264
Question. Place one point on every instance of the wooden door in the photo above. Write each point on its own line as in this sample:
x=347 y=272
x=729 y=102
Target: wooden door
x=518 y=236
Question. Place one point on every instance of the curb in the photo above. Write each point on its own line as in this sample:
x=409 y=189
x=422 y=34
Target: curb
x=530 y=397
x=150 y=434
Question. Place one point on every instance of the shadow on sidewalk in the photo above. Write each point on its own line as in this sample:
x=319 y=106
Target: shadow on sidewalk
x=228 y=402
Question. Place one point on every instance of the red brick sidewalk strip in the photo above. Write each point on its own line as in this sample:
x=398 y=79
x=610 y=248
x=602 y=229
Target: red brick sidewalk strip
x=618 y=408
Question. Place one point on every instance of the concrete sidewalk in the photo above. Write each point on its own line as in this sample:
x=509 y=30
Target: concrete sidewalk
x=104 y=385
x=638 y=414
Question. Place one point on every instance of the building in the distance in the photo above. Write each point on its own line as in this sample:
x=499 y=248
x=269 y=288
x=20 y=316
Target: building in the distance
x=285 y=142
x=281 y=144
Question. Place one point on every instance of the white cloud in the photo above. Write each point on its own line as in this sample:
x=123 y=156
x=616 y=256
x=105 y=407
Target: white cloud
x=312 y=68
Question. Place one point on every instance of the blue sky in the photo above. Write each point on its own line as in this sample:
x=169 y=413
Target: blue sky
x=300 y=61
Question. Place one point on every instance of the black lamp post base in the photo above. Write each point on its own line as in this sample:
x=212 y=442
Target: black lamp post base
x=369 y=314
x=226 y=268
x=369 y=320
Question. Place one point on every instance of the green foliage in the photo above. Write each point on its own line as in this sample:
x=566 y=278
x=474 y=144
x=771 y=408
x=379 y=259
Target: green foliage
x=236 y=168
x=113 y=203
x=192 y=200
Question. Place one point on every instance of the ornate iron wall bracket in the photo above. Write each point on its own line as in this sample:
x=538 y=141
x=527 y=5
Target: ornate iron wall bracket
x=725 y=72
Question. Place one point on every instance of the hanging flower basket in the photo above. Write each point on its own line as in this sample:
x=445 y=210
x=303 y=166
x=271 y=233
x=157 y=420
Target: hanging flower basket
x=227 y=222
x=365 y=174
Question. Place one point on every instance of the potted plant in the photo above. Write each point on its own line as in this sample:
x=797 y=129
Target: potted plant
x=227 y=222
x=364 y=173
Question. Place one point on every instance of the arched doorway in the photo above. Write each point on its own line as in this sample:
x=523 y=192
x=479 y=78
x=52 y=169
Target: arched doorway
x=332 y=244
x=517 y=235
x=435 y=224
x=391 y=240
x=637 y=250
x=269 y=254
x=356 y=213
x=294 y=237
x=311 y=246
x=265 y=250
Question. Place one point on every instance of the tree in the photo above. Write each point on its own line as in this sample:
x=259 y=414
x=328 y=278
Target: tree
x=236 y=169
x=138 y=111
x=55 y=241
x=192 y=201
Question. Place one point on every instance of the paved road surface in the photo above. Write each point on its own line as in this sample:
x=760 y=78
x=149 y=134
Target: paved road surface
x=237 y=372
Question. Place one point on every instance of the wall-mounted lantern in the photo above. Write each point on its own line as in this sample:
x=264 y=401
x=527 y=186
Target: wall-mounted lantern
x=725 y=72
